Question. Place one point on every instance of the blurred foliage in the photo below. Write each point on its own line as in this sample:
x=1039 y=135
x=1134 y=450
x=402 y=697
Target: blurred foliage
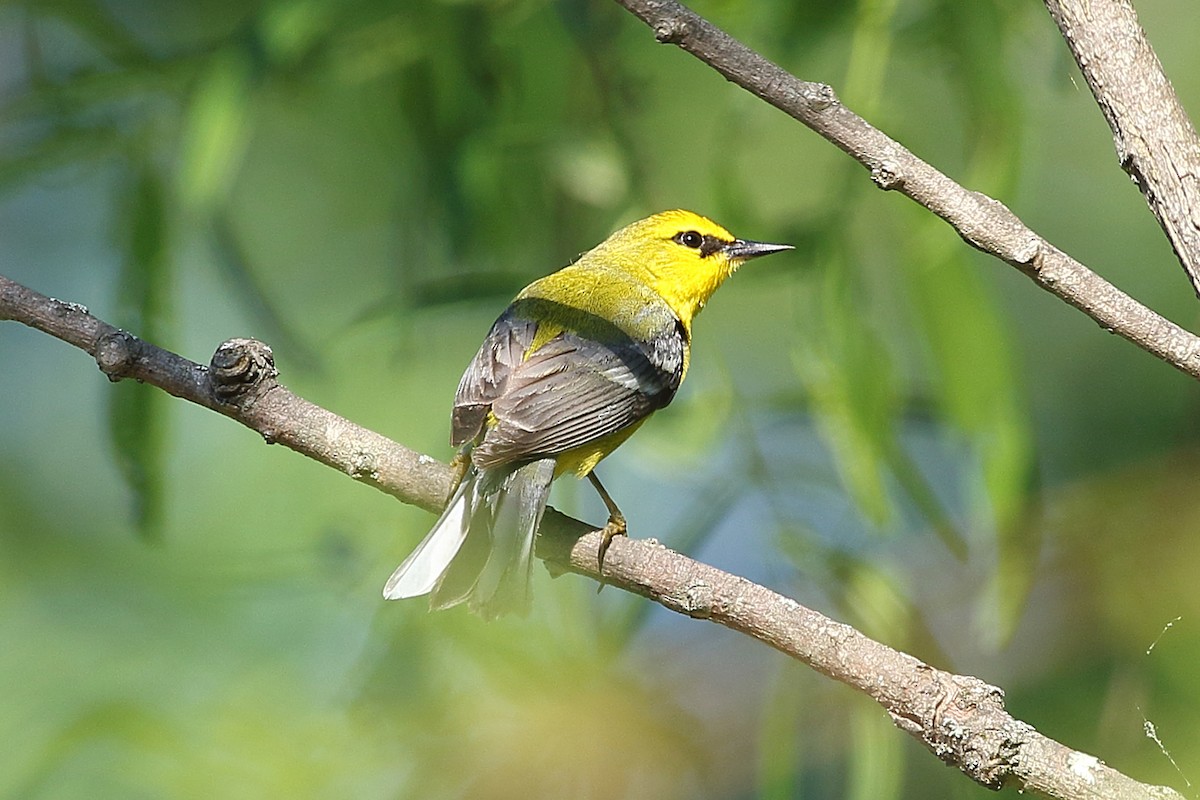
x=885 y=424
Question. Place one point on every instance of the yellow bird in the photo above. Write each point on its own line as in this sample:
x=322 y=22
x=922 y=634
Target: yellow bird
x=577 y=362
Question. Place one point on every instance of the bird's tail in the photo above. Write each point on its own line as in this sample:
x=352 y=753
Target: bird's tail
x=481 y=549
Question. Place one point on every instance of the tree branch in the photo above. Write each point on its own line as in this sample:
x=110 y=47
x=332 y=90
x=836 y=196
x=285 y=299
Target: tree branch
x=239 y=383
x=961 y=719
x=981 y=221
x=1155 y=140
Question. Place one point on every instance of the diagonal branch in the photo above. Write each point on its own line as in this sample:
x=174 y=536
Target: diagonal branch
x=981 y=221
x=239 y=383
x=1155 y=140
x=961 y=719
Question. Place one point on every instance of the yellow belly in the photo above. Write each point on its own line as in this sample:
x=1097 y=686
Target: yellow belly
x=583 y=460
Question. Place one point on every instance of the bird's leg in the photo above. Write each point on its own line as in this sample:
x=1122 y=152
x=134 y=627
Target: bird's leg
x=458 y=470
x=616 y=520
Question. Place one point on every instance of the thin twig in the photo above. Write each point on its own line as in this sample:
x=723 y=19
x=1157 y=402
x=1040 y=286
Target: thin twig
x=239 y=383
x=1155 y=140
x=981 y=221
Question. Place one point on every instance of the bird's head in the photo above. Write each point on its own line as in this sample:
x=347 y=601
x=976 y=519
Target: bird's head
x=683 y=256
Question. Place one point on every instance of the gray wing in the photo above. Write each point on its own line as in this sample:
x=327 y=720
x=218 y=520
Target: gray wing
x=573 y=390
x=487 y=375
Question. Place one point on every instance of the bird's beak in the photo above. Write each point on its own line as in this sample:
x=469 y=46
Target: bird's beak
x=744 y=249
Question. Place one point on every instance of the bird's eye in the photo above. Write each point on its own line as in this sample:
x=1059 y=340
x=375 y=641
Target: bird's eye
x=690 y=239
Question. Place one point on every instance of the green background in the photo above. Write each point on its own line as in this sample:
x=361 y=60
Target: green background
x=185 y=612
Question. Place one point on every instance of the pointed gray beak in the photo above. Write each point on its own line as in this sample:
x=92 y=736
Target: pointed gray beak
x=744 y=249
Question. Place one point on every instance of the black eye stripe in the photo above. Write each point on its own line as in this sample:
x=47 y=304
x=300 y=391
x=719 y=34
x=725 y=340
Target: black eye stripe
x=707 y=244
x=711 y=245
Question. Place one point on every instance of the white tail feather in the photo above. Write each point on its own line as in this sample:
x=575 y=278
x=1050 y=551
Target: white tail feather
x=503 y=584
x=420 y=571
x=481 y=549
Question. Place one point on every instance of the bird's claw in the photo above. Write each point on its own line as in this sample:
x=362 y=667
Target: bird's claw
x=459 y=466
x=615 y=527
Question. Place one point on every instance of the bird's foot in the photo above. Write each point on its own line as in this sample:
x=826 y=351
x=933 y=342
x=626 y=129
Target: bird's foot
x=615 y=527
x=459 y=466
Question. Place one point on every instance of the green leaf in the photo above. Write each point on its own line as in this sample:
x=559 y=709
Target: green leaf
x=215 y=130
x=230 y=256
x=870 y=50
x=848 y=374
x=136 y=412
x=62 y=147
x=779 y=737
x=878 y=606
x=876 y=768
x=94 y=22
x=978 y=390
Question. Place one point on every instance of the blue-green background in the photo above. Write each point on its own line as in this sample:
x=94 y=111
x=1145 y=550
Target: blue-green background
x=186 y=612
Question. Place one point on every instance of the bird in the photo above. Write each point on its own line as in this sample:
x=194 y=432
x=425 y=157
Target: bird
x=569 y=371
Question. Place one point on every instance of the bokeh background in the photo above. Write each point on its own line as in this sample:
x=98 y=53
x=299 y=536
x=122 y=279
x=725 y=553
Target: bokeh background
x=884 y=424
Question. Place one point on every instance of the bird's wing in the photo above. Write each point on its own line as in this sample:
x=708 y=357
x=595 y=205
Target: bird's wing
x=486 y=377
x=550 y=389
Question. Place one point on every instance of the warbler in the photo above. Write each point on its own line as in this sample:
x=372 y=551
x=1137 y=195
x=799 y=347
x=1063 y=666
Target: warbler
x=575 y=364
